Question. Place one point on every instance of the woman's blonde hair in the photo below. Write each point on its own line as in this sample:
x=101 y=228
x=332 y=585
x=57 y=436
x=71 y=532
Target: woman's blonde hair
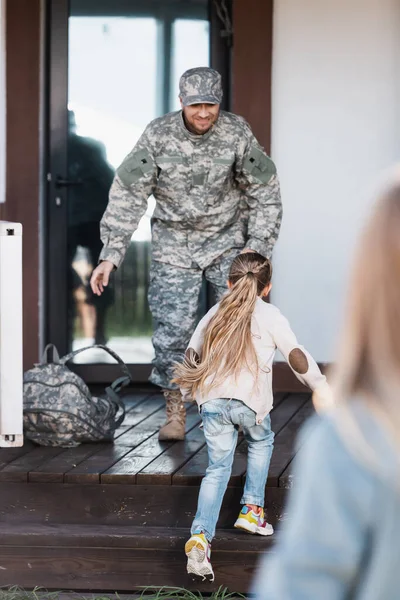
x=368 y=364
x=228 y=343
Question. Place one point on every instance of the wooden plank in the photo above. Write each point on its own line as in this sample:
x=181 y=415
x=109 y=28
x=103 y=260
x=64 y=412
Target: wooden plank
x=52 y=471
x=132 y=415
x=286 y=409
x=8 y=455
x=278 y=398
x=89 y=470
x=134 y=398
x=149 y=416
x=287 y=477
x=147 y=426
x=161 y=470
x=116 y=569
x=155 y=505
x=126 y=469
x=284 y=443
x=193 y=471
x=18 y=470
x=96 y=504
x=116 y=536
x=140 y=414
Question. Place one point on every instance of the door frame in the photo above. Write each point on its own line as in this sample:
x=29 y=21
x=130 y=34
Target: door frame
x=55 y=211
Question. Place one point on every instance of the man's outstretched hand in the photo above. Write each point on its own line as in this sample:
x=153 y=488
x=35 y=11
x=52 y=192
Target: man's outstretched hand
x=101 y=276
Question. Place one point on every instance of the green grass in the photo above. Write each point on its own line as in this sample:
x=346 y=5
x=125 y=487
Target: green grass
x=164 y=593
x=17 y=593
x=149 y=593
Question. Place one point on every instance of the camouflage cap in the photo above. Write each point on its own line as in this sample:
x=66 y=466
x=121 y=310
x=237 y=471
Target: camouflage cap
x=200 y=85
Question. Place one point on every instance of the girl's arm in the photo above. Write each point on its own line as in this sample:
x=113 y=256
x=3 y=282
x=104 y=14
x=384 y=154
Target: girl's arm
x=300 y=361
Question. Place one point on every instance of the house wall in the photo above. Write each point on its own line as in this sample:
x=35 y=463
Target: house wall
x=251 y=65
x=23 y=44
x=335 y=127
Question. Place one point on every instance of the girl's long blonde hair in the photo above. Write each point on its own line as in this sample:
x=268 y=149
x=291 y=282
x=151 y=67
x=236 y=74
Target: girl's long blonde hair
x=368 y=364
x=228 y=343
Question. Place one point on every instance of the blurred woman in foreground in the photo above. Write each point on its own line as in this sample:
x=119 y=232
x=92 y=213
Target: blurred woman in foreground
x=342 y=536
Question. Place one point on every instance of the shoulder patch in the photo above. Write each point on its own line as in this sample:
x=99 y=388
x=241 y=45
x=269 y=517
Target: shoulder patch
x=259 y=165
x=135 y=166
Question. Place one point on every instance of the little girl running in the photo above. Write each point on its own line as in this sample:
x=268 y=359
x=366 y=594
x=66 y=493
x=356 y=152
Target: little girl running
x=228 y=371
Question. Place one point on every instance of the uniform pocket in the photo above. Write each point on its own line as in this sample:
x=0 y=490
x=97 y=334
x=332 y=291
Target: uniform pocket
x=220 y=168
x=171 y=169
x=219 y=175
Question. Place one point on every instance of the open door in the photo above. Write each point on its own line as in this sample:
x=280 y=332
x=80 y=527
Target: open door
x=114 y=66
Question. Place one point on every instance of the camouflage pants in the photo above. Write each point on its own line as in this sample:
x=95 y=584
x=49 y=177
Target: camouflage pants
x=174 y=303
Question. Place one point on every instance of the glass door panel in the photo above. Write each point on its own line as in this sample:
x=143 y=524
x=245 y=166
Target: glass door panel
x=121 y=75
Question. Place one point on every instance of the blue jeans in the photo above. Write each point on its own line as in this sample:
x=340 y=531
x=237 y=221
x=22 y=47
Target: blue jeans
x=221 y=421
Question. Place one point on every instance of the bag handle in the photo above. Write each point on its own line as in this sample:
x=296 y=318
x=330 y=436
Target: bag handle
x=65 y=359
x=112 y=394
x=116 y=386
x=55 y=357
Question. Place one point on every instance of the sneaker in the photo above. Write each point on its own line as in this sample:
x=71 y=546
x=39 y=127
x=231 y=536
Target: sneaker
x=198 y=552
x=252 y=522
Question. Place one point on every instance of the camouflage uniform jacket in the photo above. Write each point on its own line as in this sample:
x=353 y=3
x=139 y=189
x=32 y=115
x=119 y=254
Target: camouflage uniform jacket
x=213 y=192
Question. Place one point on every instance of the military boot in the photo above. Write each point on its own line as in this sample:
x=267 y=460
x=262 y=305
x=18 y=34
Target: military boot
x=174 y=428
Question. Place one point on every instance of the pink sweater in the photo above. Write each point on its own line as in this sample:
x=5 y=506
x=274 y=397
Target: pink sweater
x=271 y=331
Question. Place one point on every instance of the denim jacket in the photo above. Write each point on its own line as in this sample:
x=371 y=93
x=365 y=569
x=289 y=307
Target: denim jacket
x=341 y=539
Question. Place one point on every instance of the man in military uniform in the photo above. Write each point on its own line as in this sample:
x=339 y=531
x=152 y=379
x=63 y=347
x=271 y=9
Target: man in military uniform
x=217 y=194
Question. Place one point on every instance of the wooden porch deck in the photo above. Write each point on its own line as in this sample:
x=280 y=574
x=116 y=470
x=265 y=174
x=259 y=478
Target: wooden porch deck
x=116 y=516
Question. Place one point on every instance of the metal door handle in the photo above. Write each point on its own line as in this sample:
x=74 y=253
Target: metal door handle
x=60 y=182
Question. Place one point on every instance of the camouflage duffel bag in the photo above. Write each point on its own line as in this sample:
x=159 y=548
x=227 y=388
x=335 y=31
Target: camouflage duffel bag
x=59 y=409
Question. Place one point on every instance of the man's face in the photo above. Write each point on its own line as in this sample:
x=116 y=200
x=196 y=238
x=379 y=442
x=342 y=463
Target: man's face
x=200 y=117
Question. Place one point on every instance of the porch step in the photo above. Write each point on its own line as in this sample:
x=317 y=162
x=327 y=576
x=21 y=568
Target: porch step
x=115 y=517
x=119 y=558
x=158 y=506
